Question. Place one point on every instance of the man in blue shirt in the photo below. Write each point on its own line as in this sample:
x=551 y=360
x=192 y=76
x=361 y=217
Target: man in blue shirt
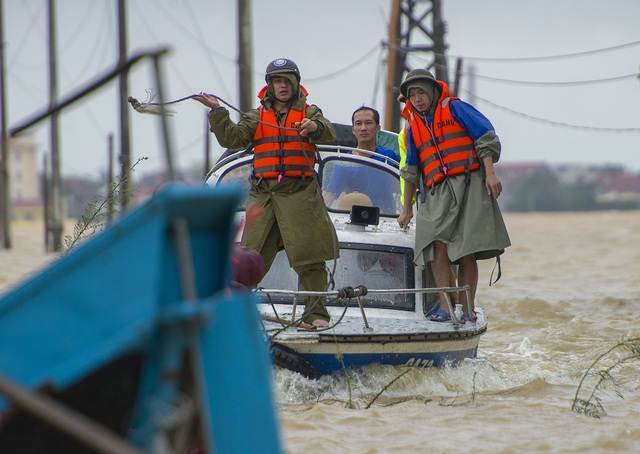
x=365 y=123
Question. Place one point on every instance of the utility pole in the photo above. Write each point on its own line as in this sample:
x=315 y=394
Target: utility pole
x=207 y=146
x=245 y=55
x=408 y=17
x=47 y=205
x=109 y=181
x=5 y=192
x=395 y=68
x=125 y=150
x=455 y=91
x=56 y=179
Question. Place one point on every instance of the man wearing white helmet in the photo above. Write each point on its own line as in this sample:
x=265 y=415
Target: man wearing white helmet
x=284 y=131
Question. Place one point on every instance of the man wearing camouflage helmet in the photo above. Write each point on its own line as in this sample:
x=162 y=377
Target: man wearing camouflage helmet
x=284 y=131
x=451 y=149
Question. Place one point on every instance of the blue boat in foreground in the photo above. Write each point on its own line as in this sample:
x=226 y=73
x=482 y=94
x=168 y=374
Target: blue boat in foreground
x=131 y=342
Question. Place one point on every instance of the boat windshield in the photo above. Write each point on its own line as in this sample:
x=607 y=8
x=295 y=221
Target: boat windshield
x=237 y=175
x=348 y=182
x=375 y=267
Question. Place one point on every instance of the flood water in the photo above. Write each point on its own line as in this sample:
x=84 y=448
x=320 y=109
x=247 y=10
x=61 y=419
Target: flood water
x=569 y=292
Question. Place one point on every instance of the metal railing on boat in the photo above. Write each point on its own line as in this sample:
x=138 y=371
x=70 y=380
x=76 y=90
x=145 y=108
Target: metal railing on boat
x=359 y=291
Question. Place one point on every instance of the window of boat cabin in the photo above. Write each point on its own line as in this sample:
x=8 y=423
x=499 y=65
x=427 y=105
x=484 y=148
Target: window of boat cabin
x=237 y=175
x=360 y=181
x=375 y=267
x=234 y=167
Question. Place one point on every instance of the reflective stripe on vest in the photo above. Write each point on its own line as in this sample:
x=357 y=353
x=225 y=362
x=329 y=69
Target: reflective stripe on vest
x=281 y=152
x=444 y=147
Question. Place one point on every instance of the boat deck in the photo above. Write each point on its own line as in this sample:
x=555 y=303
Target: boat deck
x=353 y=328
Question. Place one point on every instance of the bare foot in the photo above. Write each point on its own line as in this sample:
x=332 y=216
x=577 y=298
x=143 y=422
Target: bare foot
x=319 y=323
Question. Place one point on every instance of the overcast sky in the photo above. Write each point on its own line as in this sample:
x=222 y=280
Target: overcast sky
x=556 y=78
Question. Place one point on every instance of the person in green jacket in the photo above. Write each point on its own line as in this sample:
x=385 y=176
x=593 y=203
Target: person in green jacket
x=450 y=152
x=284 y=131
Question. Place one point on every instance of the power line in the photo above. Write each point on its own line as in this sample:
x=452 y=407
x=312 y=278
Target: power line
x=33 y=24
x=341 y=71
x=99 y=44
x=541 y=83
x=203 y=40
x=550 y=122
x=199 y=39
x=549 y=57
x=522 y=59
x=567 y=83
x=79 y=25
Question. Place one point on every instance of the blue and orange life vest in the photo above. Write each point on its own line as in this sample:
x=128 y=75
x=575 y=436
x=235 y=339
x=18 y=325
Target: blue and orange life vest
x=444 y=146
x=282 y=152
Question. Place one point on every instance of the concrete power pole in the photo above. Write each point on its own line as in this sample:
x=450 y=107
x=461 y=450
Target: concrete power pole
x=56 y=179
x=395 y=69
x=245 y=55
x=5 y=193
x=409 y=19
x=125 y=149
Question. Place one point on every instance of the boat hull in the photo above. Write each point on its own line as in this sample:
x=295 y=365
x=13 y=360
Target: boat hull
x=409 y=342
x=327 y=358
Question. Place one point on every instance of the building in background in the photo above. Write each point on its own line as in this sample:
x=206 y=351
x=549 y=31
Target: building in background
x=24 y=178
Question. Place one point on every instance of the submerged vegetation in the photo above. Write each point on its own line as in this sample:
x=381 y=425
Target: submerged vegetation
x=599 y=378
x=624 y=351
x=101 y=210
x=392 y=385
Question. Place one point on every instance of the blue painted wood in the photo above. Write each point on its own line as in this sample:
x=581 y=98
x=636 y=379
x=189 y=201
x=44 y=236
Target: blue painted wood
x=233 y=338
x=121 y=291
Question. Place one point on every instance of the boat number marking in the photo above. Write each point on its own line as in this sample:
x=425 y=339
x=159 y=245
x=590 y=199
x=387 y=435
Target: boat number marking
x=419 y=362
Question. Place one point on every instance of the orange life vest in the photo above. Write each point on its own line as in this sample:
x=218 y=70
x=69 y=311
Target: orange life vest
x=282 y=152
x=444 y=147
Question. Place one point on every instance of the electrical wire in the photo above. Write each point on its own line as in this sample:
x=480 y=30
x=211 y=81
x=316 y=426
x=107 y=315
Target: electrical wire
x=408 y=50
x=62 y=68
x=200 y=40
x=535 y=83
x=557 y=84
x=550 y=122
x=27 y=29
x=341 y=71
x=150 y=30
x=101 y=33
x=79 y=25
x=548 y=57
x=203 y=43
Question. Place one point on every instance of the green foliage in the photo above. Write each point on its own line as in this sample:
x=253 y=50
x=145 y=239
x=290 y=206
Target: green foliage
x=349 y=380
x=98 y=213
x=592 y=405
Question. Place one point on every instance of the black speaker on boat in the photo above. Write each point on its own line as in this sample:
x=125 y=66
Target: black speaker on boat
x=363 y=215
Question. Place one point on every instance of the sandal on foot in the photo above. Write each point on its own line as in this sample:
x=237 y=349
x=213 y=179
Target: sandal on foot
x=441 y=316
